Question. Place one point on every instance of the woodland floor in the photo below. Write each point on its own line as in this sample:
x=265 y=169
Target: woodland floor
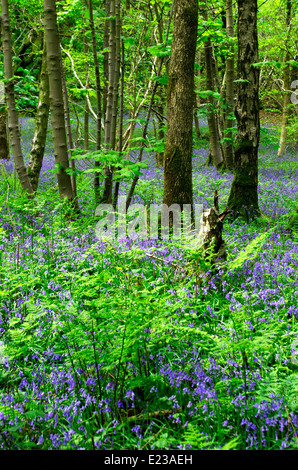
x=121 y=345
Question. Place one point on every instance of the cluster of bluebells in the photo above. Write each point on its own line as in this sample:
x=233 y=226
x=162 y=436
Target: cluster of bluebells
x=52 y=397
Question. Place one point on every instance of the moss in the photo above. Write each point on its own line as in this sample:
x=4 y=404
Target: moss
x=243 y=146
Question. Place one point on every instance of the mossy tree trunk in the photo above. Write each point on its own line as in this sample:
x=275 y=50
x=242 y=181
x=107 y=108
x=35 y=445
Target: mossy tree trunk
x=41 y=125
x=180 y=101
x=243 y=197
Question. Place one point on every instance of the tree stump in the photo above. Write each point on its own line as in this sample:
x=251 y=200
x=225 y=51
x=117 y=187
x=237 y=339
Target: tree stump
x=210 y=234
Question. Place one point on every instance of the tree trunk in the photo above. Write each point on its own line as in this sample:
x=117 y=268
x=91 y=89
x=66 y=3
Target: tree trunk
x=160 y=95
x=86 y=110
x=229 y=122
x=98 y=99
x=287 y=87
x=4 y=147
x=112 y=98
x=121 y=111
x=215 y=156
x=178 y=151
x=106 y=56
x=68 y=131
x=243 y=197
x=196 y=97
x=13 y=122
x=56 y=99
x=147 y=120
x=41 y=125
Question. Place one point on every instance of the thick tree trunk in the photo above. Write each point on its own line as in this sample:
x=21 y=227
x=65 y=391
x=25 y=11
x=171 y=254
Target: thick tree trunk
x=13 y=122
x=41 y=125
x=287 y=87
x=178 y=151
x=215 y=156
x=243 y=197
x=56 y=99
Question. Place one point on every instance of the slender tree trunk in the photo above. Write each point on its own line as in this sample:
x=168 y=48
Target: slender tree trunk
x=121 y=110
x=196 y=119
x=13 y=122
x=243 y=197
x=41 y=125
x=112 y=98
x=229 y=122
x=161 y=96
x=68 y=131
x=147 y=120
x=178 y=151
x=98 y=100
x=287 y=86
x=197 y=98
x=215 y=156
x=106 y=56
x=56 y=99
x=4 y=145
x=86 y=110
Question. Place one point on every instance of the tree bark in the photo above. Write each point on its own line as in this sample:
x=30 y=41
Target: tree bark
x=215 y=156
x=178 y=151
x=243 y=197
x=41 y=125
x=98 y=100
x=147 y=120
x=56 y=99
x=68 y=131
x=4 y=147
x=112 y=97
x=160 y=95
x=121 y=111
x=229 y=122
x=13 y=122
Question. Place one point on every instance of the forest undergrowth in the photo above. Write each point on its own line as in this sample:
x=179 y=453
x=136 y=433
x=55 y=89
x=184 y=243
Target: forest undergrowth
x=139 y=345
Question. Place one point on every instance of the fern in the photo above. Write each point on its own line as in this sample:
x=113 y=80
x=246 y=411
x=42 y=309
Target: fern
x=195 y=438
x=251 y=251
